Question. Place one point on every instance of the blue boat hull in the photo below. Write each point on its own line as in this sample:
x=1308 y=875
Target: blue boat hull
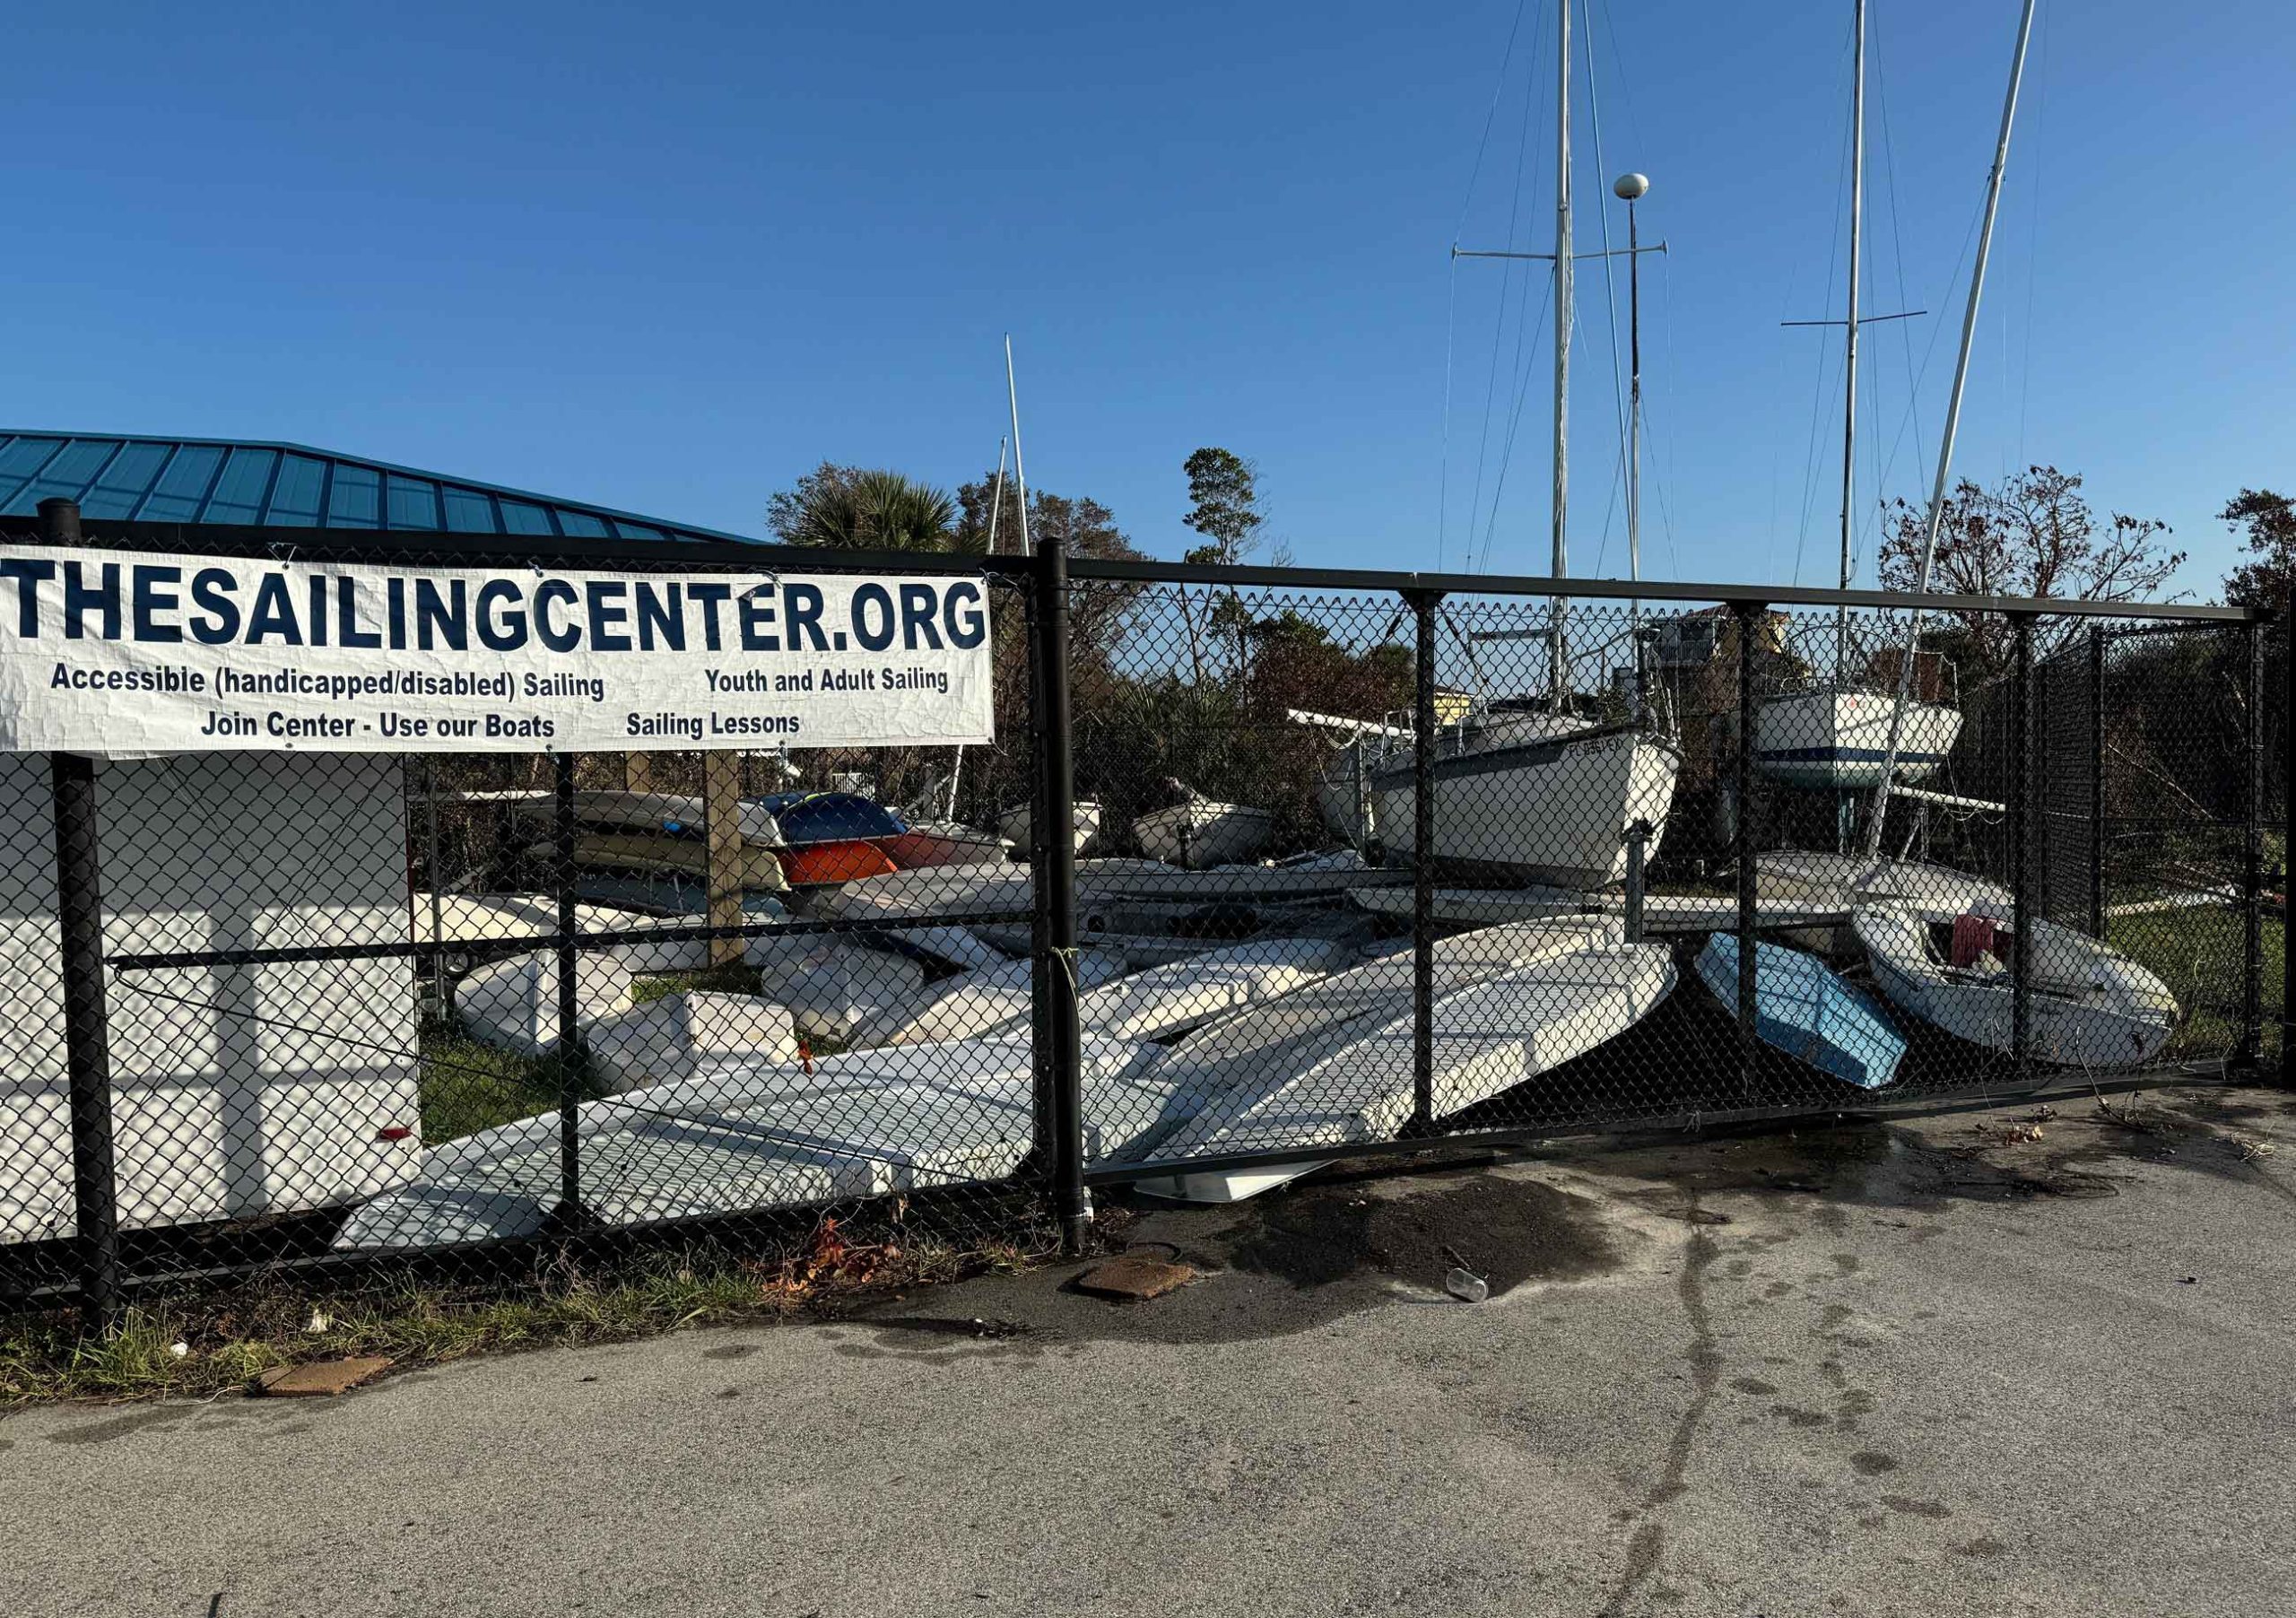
x=1805 y=1008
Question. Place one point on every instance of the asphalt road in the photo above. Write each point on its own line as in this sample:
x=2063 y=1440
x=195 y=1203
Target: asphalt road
x=1924 y=1371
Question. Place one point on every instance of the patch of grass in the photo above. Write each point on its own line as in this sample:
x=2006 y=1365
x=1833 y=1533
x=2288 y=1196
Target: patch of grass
x=226 y=1340
x=2197 y=953
x=733 y=978
x=467 y=1086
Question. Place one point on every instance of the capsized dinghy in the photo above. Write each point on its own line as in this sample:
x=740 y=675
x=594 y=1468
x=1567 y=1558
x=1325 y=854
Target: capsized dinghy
x=673 y=813
x=1197 y=832
x=1167 y=1000
x=1085 y=820
x=1840 y=881
x=1807 y=1010
x=1489 y=1038
x=1250 y=1052
x=2091 y=1005
x=770 y=1135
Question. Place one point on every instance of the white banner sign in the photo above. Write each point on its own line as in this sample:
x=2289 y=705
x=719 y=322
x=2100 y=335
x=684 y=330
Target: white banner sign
x=122 y=652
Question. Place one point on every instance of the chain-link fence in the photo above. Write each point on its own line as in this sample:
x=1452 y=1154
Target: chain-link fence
x=1265 y=867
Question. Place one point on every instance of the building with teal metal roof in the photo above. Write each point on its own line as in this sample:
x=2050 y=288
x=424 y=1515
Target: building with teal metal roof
x=219 y=481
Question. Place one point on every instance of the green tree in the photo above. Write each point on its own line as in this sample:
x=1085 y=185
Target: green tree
x=2269 y=520
x=1223 y=492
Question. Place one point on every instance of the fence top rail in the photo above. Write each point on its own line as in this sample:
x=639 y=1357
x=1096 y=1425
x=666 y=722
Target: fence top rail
x=1648 y=589
x=449 y=548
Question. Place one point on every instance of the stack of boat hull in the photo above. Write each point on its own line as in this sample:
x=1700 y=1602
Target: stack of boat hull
x=767 y=1135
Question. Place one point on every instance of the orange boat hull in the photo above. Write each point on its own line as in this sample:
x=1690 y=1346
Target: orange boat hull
x=814 y=865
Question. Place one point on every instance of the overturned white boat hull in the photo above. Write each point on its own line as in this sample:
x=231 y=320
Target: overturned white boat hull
x=1200 y=833
x=1844 y=882
x=2091 y=1005
x=1354 y=1085
x=617 y=810
x=1084 y=825
x=865 y=1124
x=1167 y=1000
x=973 y=1004
x=1245 y=1054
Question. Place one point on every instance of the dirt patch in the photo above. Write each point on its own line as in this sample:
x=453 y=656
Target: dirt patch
x=1508 y=1232
x=1287 y=1262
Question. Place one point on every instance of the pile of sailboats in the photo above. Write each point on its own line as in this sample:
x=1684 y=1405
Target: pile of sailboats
x=1228 y=1009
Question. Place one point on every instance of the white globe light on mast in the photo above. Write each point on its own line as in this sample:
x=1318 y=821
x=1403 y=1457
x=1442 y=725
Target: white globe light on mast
x=1631 y=188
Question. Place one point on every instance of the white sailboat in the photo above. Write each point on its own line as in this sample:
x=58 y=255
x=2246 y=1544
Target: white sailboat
x=1835 y=735
x=1952 y=965
x=1526 y=789
x=1533 y=796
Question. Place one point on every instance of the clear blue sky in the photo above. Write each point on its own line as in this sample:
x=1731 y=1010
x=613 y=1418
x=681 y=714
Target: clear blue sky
x=668 y=258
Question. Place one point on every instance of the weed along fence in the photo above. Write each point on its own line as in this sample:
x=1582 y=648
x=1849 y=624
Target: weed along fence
x=448 y=899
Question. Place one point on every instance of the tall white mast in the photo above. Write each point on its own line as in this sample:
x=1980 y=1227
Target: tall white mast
x=1020 y=475
x=1850 y=352
x=997 y=495
x=1561 y=564
x=1953 y=423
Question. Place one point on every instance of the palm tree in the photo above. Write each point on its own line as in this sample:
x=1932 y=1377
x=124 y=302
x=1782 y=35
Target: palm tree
x=858 y=509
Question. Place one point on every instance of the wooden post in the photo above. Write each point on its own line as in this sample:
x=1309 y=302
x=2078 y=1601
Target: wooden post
x=721 y=798
x=637 y=771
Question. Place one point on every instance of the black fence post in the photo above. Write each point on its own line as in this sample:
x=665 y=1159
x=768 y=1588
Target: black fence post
x=1749 y=615
x=2287 y=836
x=87 y=1029
x=1062 y=1070
x=570 y=1005
x=1423 y=604
x=1638 y=856
x=2097 y=781
x=2020 y=831
x=2252 y=865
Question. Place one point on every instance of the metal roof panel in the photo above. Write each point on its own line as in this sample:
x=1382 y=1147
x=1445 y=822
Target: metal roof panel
x=228 y=480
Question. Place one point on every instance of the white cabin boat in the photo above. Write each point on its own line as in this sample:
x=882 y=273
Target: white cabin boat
x=1839 y=737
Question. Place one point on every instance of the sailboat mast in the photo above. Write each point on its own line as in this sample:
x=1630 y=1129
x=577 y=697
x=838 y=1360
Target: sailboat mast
x=1019 y=473
x=1953 y=425
x=1560 y=563
x=997 y=495
x=1850 y=351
